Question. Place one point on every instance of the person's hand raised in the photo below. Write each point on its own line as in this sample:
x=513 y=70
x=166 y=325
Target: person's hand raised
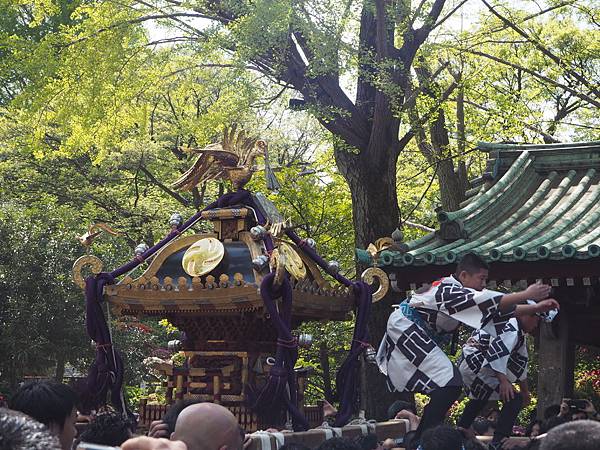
x=547 y=305
x=538 y=291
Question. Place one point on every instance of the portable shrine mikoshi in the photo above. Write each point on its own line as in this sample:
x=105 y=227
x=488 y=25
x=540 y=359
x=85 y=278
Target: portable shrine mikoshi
x=236 y=294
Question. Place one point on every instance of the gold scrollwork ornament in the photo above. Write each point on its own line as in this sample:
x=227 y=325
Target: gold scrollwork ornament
x=278 y=265
x=94 y=263
x=293 y=262
x=369 y=275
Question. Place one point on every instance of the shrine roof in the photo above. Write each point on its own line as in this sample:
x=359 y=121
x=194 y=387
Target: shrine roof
x=533 y=202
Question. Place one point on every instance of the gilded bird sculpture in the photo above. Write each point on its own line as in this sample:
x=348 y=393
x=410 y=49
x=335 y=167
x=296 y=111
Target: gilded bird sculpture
x=232 y=159
x=94 y=230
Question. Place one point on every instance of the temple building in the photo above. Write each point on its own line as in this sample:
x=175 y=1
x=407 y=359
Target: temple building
x=533 y=215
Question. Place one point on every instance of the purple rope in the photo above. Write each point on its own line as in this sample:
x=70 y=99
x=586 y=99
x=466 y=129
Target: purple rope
x=347 y=377
x=301 y=243
x=282 y=378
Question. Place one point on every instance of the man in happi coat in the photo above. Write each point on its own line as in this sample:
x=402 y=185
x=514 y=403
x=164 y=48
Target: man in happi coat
x=410 y=354
x=490 y=363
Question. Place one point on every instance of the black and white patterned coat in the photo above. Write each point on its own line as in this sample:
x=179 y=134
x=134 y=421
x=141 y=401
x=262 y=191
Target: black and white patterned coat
x=410 y=358
x=486 y=353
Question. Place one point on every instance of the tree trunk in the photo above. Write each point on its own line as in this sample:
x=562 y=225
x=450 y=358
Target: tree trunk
x=371 y=175
x=452 y=191
x=60 y=368
x=324 y=360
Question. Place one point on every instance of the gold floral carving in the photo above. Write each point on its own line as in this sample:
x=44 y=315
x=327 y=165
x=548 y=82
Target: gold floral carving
x=379 y=245
x=93 y=231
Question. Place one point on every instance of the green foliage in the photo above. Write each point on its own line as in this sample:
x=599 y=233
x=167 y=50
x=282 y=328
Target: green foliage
x=587 y=374
x=523 y=419
x=456 y=410
x=331 y=341
x=133 y=395
x=527 y=413
x=136 y=341
x=41 y=310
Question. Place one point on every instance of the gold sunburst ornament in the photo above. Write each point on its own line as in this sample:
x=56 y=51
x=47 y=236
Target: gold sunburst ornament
x=202 y=256
x=293 y=262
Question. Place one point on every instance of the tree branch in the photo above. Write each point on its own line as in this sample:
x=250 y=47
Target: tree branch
x=413 y=39
x=547 y=137
x=576 y=93
x=343 y=118
x=164 y=188
x=137 y=20
x=404 y=140
x=539 y=13
x=545 y=51
x=447 y=16
x=422 y=33
x=418 y=226
x=365 y=88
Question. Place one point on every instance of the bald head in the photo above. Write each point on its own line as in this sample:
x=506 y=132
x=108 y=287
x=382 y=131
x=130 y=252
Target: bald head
x=208 y=426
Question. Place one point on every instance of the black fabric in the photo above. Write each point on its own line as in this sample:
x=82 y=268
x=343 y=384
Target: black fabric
x=471 y=411
x=508 y=415
x=441 y=400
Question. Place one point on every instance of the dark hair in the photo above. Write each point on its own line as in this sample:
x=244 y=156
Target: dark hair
x=577 y=435
x=398 y=406
x=170 y=417
x=473 y=444
x=490 y=411
x=442 y=437
x=294 y=446
x=367 y=442
x=108 y=428
x=534 y=444
x=551 y=411
x=20 y=432
x=338 y=443
x=45 y=400
x=552 y=422
x=481 y=425
x=471 y=263
x=532 y=424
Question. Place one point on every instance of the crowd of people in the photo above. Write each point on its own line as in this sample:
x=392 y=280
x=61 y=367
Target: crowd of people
x=42 y=415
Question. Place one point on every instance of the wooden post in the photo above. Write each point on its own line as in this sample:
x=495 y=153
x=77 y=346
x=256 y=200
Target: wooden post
x=556 y=357
x=301 y=385
x=217 y=389
x=179 y=387
x=363 y=384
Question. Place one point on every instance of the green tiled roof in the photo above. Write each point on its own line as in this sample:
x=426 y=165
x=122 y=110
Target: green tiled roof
x=534 y=202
